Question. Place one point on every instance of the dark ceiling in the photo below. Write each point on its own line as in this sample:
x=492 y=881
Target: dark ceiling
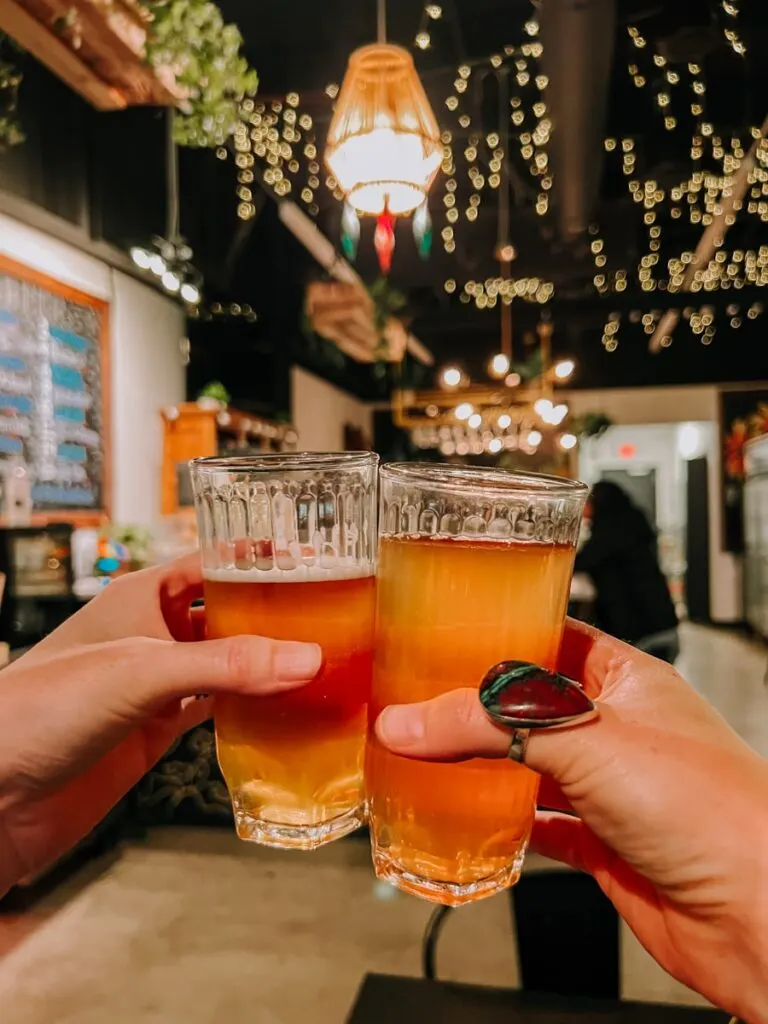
x=110 y=170
x=303 y=47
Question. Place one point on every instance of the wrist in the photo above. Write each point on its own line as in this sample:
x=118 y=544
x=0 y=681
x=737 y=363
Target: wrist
x=750 y=1004
x=748 y=992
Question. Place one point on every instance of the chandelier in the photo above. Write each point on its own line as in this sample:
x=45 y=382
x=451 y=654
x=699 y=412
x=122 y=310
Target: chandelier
x=461 y=418
x=516 y=410
x=383 y=146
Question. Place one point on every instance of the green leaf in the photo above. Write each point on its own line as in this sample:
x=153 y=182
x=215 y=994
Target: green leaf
x=216 y=390
x=190 y=36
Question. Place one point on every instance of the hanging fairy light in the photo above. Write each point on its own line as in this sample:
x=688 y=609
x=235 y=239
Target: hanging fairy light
x=499 y=365
x=350 y=231
x=422 y=230
x=452 y=377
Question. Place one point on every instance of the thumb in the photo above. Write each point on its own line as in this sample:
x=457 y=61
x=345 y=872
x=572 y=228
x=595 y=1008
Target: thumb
x=454 y=727
x=245 y=665
x=113 y=685
x=73 y=706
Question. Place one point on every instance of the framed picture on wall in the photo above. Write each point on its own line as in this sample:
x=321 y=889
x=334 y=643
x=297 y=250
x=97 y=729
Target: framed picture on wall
x=54 y=393
x=743 y=415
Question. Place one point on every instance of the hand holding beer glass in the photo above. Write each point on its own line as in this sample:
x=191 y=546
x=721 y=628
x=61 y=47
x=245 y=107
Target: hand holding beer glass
x=288 y=546
x=474 y=569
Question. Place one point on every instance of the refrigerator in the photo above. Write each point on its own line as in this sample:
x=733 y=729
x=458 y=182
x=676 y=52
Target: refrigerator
x=756 y=535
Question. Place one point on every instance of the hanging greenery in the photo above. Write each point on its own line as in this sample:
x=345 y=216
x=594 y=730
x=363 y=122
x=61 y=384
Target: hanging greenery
x=591 y=424
x=387 y=302
x=530 y=368
x=10 y=79
x=190 y=36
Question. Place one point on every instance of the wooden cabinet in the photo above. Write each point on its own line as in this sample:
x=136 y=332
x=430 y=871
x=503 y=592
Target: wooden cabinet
x=193 y=431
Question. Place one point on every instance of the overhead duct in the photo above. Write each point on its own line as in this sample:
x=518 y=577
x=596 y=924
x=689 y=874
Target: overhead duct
x=578 y=40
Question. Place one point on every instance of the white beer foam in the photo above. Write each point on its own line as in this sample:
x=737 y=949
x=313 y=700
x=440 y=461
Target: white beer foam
x=301 y=574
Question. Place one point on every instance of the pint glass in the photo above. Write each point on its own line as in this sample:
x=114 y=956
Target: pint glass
x=474 y=568
x=288 y=547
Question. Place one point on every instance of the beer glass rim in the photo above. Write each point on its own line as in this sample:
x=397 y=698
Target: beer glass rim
x=285 y=462
x=499 y=482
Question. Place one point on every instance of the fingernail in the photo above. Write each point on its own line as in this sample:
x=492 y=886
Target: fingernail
x=294 y=662
x=400 y=726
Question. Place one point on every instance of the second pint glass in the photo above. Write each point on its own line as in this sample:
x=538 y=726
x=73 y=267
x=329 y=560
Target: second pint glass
x=288 y=546
x=474 y=568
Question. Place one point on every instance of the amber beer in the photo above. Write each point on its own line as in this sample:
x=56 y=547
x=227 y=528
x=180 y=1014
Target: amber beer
x=448 y=608
x=295 y=760
x=288 y=545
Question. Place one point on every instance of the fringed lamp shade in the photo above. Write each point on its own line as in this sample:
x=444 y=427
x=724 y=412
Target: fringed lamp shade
x=384 y=145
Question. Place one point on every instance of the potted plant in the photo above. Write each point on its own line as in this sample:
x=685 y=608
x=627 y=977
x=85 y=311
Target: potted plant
x=214 y=396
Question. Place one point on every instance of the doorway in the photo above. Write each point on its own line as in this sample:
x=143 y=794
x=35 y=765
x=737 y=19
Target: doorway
x=639 y=485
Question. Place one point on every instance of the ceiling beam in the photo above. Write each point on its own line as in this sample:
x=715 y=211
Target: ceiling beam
x=713 y=237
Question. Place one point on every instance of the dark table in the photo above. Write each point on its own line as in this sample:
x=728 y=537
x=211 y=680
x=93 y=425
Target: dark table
x=383 y=999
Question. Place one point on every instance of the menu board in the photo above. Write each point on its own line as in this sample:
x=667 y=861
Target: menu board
x=53 y=377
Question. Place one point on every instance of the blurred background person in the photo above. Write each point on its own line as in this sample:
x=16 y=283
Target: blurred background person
x=632 y=599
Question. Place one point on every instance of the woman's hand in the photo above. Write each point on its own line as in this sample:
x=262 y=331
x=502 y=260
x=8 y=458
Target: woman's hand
x=668 y=810
x=90 y=709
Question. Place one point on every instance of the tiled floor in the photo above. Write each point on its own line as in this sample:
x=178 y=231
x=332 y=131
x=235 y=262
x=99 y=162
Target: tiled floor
x=195 y=927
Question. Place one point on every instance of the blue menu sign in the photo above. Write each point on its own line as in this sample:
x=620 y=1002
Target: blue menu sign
x=52 y=341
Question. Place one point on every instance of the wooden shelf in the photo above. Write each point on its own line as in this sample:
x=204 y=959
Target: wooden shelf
x=195 y=431
x=95 y=46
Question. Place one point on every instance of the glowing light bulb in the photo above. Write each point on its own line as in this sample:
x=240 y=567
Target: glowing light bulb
x=494 y=445
x=157 y=264
x=543 y=407
x=564 y=369
x=505 y=421
x=475 y=420
x=557 y=415
x=170 y=281
x=568 y=441
x=463 y=411
x=451 y=377
x=499 y=366
x=190 y=293
x=534 y=438
x=141 y=257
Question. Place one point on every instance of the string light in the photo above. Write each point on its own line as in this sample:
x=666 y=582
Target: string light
x=280 y=137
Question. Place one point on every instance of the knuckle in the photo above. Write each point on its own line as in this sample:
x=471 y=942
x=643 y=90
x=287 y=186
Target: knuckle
x=132 y=648
x=452 y=715
x=247 y=657
x=468 y=709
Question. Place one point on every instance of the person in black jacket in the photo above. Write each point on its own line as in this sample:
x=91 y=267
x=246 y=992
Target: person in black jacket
x=633 y=601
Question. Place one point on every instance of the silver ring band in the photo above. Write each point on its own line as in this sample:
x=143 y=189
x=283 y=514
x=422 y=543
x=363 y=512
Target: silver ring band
x=519 y=745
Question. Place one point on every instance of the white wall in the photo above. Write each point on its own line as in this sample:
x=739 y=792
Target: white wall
x=680 y=405
x=648 y=405
x=321 y=411
x=146 y=370
x=655 y=448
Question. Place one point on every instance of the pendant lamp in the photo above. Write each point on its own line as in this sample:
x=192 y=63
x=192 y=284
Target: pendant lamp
x=383 y=145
